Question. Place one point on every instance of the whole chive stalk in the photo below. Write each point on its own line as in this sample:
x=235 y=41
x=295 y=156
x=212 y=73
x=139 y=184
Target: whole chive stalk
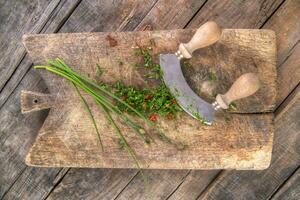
x=124 y=141
x=88 y=110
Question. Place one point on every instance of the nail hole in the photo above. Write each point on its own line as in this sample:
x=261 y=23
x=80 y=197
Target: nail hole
x=35 y=100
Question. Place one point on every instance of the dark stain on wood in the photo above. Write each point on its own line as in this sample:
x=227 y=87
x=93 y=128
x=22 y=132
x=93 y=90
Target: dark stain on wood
x=112 y=41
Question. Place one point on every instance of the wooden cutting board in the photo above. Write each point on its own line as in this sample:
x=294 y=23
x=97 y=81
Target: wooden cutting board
x=235 y=141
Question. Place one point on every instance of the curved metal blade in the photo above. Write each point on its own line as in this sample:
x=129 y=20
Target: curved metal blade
x=185 y=96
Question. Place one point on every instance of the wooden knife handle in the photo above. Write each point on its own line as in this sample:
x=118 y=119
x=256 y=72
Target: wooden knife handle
x=244 y=86
x=206 y=35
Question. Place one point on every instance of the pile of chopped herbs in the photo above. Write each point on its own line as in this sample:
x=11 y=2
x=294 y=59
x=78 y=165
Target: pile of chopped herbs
x=152 y=102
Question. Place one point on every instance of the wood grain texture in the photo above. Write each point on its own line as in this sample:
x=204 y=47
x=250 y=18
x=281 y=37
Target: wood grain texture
x=252 y=152
x=291 y=189
x=169 y=14
x=193 y=184
x=236 y=13
x=285 y=22
x=54 y=21
x=89 y=184
x=15 y=145
x=17 y=18
x=134 y=190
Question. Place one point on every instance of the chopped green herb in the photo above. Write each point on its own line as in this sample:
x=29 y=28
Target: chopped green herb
x=163 y=137
x=199 y=118
x=120 y=62
x=212 y=77
x=182 y=146
x=100 y=70
x=152 y=101
x=232 y=106
x=227 y=119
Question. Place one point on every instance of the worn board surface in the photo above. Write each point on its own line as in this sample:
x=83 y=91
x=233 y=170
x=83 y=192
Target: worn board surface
x=68 y=139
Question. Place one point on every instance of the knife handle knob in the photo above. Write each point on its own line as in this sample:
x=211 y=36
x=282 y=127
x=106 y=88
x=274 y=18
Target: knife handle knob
x=246 y=85
x=206 y=35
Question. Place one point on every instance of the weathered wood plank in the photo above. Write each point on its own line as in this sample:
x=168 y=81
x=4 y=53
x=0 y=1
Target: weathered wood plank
x=55 y=20
x=194 y=184
x=17 y=18
x=291 y=189
x=92 y=184
x=236 y=14
x=155 y=190
x=285 y=22
x=289 y=74
x=16 y=163
x=169 y=14
x=285 y=160
x=95 y=16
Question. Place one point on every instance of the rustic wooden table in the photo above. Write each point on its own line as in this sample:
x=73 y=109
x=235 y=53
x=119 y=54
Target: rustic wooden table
x=17 y=132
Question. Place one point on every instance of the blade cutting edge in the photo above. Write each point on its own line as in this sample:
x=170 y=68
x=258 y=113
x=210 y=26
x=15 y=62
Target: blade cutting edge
x=185 y=96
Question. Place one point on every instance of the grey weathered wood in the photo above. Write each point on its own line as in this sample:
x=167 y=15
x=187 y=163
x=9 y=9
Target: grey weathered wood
x=155 y=190
x=236 y=14
x=193 y=184
x=54 y=22
x=291 y=189
x=285 y=160
x=286 y=37
x=13 y=156
x=17 y=18
x=285 y=22
x=87 y=184
x=168 y=14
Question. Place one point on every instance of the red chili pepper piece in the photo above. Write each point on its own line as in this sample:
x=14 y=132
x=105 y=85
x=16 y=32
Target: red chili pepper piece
x=148 y=97
x=153 y=117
